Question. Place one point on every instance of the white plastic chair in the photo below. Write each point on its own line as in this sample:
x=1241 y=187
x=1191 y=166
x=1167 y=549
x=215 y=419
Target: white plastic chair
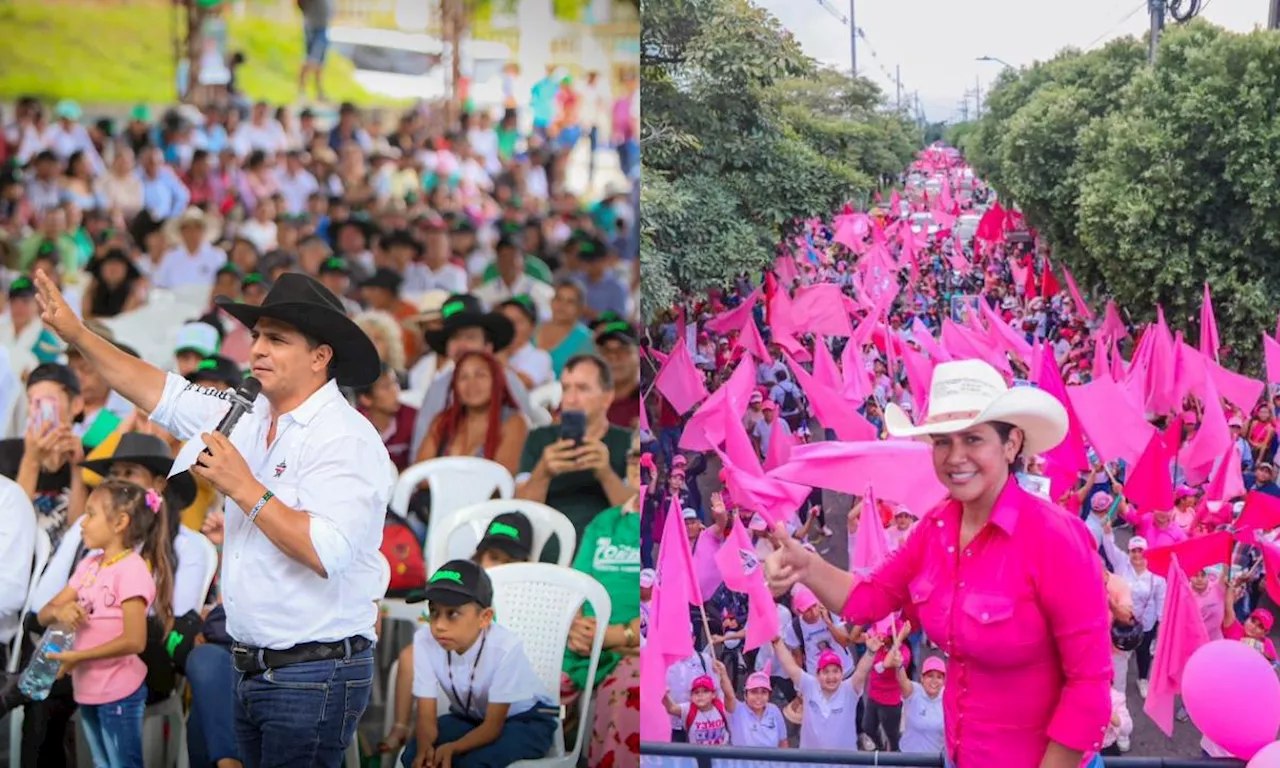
x=456 y=482
x=211 y=555
x=43 y=551
x=544 y=520
x=538 y=602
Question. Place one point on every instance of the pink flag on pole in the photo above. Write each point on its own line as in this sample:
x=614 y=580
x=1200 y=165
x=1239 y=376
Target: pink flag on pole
x=738 y=447
x=919 y=376
x=676 y=589
x=1272 y=349
x=1228 y=480
x=824 y=366
x=869 y=547
x=734 y=318
x=921 y=335
x=820 y=309
x=1069 y=457
x=680 y=381
x=655 y=724
x=1237 y=388
x=1101 y=367
x=1012 y=341
x=1113 y=328
x=1211 y=443
x=1150 y=485
x=752 y=343
x=705 y=429
x=1081 y=306
x=1181 y=633
x=832 y=411
x=900 y=470
x=775 y=499
x=743 y=572
x=658 y=357
x=785 y=268
x=779 y=452
x=1208 y=327
x=857 y=382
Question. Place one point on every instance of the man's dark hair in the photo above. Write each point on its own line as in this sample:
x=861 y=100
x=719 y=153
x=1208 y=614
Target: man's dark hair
x=312 y=343
x=603 y=371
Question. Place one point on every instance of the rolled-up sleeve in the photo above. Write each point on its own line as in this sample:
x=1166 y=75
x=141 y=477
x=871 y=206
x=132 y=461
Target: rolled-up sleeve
x=346 y=494
x=885 y=590
x=186 y=408
x=1074 y=600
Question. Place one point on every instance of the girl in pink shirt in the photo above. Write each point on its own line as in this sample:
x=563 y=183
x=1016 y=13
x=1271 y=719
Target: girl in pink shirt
x=903 y=522
x=106 y=602
x=1255 y=629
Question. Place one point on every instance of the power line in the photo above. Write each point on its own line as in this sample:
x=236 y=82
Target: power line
x=1141 y=7
x=862 y=35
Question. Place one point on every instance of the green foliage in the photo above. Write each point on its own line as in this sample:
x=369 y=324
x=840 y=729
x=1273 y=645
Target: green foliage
x=1148 y=182
x=742 y=134
x=102 y=54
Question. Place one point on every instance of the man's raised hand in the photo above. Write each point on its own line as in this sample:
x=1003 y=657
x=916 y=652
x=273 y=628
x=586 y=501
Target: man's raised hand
x=55 y=312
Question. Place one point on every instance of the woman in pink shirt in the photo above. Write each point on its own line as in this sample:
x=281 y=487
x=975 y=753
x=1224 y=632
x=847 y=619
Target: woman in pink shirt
x=1210 y=594
x=1158 y=528
x=1008 y=584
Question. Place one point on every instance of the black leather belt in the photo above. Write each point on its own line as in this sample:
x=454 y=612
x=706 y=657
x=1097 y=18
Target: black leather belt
x=251 y=661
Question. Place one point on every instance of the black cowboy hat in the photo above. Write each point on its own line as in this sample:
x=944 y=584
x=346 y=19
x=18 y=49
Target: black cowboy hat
x=462 y=310
x=152 y=453
x=303 y=302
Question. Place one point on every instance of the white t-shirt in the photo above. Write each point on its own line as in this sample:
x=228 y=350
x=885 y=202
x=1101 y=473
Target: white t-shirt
x=829 y=722
x=817 y=638
x=500 y=652
x=747 y=730
x=179 y=268
x=925 y=730
x=680 y=677
x=766 y=655
x=708 y=728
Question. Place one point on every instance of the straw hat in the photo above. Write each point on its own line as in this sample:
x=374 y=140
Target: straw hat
x=209 y=223
x=969 y=392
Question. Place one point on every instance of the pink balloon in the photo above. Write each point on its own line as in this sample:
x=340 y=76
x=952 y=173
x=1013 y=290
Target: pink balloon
x=1219 y=679
x=1267 y=757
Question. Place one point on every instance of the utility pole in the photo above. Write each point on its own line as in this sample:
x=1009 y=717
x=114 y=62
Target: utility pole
x=898 y=79
x=853 y=38
x=1273 y=16
x=1156 y=7
x=977 y=97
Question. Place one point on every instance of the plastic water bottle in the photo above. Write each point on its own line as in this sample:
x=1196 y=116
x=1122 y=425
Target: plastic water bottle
x=40 y=673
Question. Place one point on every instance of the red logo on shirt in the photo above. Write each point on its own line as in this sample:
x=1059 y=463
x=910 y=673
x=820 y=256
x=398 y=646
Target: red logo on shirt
x=280 y=468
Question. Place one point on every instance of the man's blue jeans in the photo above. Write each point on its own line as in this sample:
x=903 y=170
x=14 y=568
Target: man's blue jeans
x=211 y=730
x=303 y=715
x=114 y=731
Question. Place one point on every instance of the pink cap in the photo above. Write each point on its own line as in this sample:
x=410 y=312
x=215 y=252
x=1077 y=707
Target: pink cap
x=1235 y=421
x=758 y=524
x=802 y=598
x=827 y=658
x=704 y=682
x=758 y=680
x=1184 y=491
x=769 y=405
x=934 y=664
x=679 y=460
x=1101 y=501
x=1263 y=617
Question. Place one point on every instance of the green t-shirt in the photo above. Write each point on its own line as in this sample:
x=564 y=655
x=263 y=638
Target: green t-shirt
x=610 y=553
x=507 y=142
x=577 y=495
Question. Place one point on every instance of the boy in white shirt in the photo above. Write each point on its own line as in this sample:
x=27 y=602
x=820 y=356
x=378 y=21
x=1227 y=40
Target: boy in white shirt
x=480 y=703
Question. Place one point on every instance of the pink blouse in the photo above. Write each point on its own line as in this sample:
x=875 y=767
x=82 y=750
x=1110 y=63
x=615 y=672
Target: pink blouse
x=1022 y=613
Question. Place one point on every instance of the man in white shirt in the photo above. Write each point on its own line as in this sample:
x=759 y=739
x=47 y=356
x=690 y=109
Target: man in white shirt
x=512 y=281
x=262 y=132
x=195 y=260
x=307 y=480
x=17 y=548
x=531 y=364
x=439 y=273
x=297 y=185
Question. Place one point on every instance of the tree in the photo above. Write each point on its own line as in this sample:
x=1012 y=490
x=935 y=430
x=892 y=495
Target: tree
x=742 y=136
x=1148 y=182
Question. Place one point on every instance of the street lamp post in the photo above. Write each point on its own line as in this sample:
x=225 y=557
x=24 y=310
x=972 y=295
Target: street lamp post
x=998 y=61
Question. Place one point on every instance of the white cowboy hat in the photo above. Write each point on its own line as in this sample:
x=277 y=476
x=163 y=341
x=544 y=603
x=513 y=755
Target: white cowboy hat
x=969 y=392
x=211 y=225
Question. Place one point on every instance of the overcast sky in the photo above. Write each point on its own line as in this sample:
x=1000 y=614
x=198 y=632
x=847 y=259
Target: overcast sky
x=935 y=42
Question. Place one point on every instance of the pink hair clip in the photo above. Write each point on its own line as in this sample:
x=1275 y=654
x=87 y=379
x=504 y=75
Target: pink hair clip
x=153 y=500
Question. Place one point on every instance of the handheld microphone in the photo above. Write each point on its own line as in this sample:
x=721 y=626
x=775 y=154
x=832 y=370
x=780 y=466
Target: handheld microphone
x=241 y=403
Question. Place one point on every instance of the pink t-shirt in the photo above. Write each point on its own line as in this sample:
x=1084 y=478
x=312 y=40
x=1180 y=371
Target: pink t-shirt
x=882 y=687
x=1212 y=608
x=704 y=561
x=1021 y=612
x=1263 y=646
x=102 y=593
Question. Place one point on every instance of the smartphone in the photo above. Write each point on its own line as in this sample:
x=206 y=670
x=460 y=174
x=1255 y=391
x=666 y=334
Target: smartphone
x=44 y=414
x=573 y=426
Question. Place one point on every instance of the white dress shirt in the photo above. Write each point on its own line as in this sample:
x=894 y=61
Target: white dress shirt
x=328 y=461
x=17 y=548
x=1147 y=588
x=494 y=292
x=499 y=649
x=534 y=363
x=179 y=267
x=297 y=190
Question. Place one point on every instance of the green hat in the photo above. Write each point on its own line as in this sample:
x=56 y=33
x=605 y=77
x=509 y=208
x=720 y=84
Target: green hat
x=140 y=113
x=68 y=109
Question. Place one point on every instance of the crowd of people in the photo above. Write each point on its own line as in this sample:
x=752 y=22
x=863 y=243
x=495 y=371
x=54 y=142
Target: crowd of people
x=442 y=291
x=992 y=603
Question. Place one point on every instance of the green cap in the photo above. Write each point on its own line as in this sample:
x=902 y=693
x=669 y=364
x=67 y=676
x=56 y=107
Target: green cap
x=141 y=113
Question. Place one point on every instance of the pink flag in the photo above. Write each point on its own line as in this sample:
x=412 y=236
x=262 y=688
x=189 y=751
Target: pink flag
x=679 y=381
x=1228 y=480
x=1272 y=349
x=675 y=591
x=743 y=572
x=921 y=335
x=869 y=547
x=780 y=444
x=1211 y=443
x=751 y=342
x=1237 y=388
x=1069 y=457
x=738 y=446
x=1100 y=365
x=1208 y=327
x=658 y=357
x=734 y=318
x=832 y=410
x=1113 y=328
x=655 y=725
x=1181 y=633
x=857 y=382
x=824 y=367
x=785 y=268
x=919 y=376
x=1012 y=341
x=1081 y=306
x=1150 y=485
x=775 y=499
x=900 y=470
x=820 y=309
x=705 y=429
